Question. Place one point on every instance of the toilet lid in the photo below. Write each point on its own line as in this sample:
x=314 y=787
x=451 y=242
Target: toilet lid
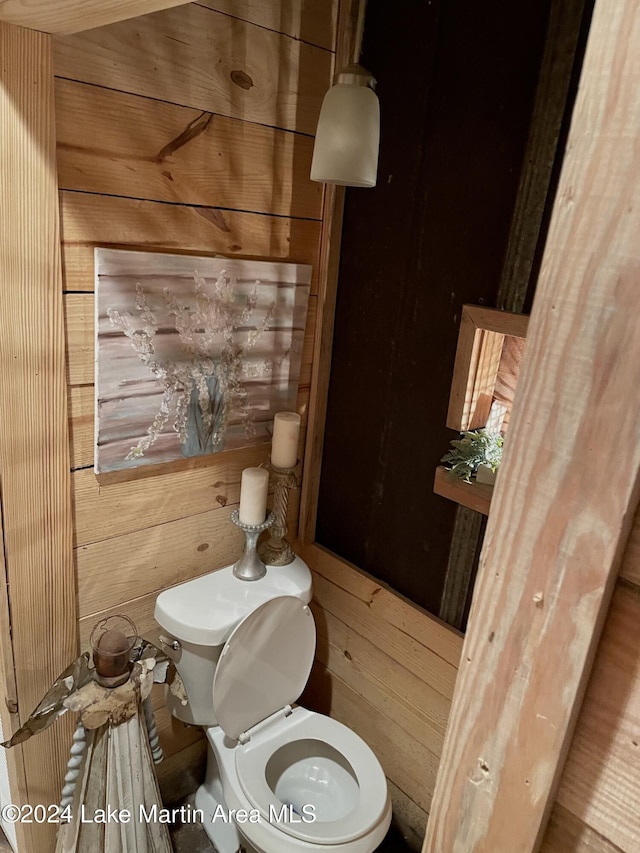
x=264 y=664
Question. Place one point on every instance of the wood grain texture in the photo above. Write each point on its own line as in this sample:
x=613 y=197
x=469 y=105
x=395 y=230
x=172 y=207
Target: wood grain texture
x=475 y=496
x=205 y=60
x=34 y=452
x=90 y=220
x=105 y=511
x=564 y=502
x=385 y=605
x=152 y=150
x=9 y=691
x=397 y=692
x=155 y=558
x=313 y=21
x=568 y=834
x=72 y=16
x=404 y=760
x=630 y=569
x=602 y=773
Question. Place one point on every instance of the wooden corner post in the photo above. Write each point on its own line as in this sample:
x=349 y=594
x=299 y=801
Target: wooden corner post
x=568 y=487
x=34 y=447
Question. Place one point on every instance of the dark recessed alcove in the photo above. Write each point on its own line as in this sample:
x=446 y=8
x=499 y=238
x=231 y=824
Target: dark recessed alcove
x=456 y=82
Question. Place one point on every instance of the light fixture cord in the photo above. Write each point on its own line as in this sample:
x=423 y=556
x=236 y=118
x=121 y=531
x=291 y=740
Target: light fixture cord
x=362 y=8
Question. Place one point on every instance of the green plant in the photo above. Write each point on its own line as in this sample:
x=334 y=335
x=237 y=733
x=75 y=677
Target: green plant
x=475 y=447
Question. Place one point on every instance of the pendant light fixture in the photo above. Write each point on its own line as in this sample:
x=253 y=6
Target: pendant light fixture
x=348 y=135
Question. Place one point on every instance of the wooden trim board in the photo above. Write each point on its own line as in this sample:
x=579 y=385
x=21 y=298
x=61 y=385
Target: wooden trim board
x=568 y=487
x=34 y=443
x=475 y=496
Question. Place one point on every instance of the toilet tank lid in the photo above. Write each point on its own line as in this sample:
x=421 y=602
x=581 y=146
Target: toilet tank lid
x=205 y=610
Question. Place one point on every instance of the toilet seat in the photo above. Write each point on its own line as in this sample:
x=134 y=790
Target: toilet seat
x=263 y=668
x=303 y=725
x=264 y=664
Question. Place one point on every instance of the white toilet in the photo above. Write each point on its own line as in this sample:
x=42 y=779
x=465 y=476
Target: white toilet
x=279 y=779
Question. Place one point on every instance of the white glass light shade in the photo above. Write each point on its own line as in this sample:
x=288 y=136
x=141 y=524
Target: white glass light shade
x=348 y=137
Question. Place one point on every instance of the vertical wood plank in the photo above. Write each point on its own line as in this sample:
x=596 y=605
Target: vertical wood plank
x=568 y=486
x=34 y=455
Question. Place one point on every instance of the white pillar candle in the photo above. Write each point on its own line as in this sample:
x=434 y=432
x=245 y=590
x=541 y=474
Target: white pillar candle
x=284 y=445
x=253 y=495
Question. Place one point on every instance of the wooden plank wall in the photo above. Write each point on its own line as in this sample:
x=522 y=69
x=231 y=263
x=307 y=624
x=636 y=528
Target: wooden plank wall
x=186 y=130
x=387 y=669
x=596 y=808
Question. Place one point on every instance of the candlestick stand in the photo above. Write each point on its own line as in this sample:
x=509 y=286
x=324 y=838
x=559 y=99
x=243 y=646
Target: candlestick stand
x=250 y=567
x=275 y=549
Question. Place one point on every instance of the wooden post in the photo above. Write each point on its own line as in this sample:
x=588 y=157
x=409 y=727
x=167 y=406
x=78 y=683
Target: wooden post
x=568 y=486
x=34 y=449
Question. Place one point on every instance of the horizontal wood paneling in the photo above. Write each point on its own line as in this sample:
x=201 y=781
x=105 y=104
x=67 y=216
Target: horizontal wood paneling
x=139 y=610
x=90 y=220
x=385 y=605
x=567 y=834
x=158 y=557
x=79 y=314
x=152 y=150
x=404 y=760
x=386 y=669
x=419 y=709
x=402 y=647
x=312 y=21
x=102 y=512
x=69 y=16
x=155 y=558
x=81 y=425
x=180 y=774
x=105 y=511
x=205 y=60
x=143 y=168
x=601 y=777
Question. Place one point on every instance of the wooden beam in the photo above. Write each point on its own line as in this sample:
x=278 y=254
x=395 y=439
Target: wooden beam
x=72 y=16
x=569 y=483
x=34 y=445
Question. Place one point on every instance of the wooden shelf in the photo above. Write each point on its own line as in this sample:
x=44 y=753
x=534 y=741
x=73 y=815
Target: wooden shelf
x=475 y=496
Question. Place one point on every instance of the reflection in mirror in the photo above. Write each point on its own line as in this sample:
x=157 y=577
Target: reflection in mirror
x=488 y=357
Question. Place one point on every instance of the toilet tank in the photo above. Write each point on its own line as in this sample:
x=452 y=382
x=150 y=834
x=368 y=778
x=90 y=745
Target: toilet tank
x=197 y=618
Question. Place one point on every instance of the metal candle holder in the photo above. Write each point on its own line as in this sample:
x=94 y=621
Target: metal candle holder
x=275 y=549
x=250 y=567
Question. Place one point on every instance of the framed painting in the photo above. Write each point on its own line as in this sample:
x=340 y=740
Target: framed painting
x=194 y=355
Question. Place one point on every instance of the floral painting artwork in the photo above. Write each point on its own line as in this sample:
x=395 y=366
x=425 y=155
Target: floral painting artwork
x=193 y=355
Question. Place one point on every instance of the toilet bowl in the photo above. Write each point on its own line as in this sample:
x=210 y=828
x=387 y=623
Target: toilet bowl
x=280 y=779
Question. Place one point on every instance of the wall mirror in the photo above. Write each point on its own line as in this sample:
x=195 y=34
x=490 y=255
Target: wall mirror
x=490 y=348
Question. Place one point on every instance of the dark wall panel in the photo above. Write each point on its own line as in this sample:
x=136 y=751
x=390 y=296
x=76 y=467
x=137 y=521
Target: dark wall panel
x=456 y=82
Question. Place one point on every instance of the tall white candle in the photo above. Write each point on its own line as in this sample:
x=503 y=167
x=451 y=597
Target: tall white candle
x=253 y=495
x=284 y=445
